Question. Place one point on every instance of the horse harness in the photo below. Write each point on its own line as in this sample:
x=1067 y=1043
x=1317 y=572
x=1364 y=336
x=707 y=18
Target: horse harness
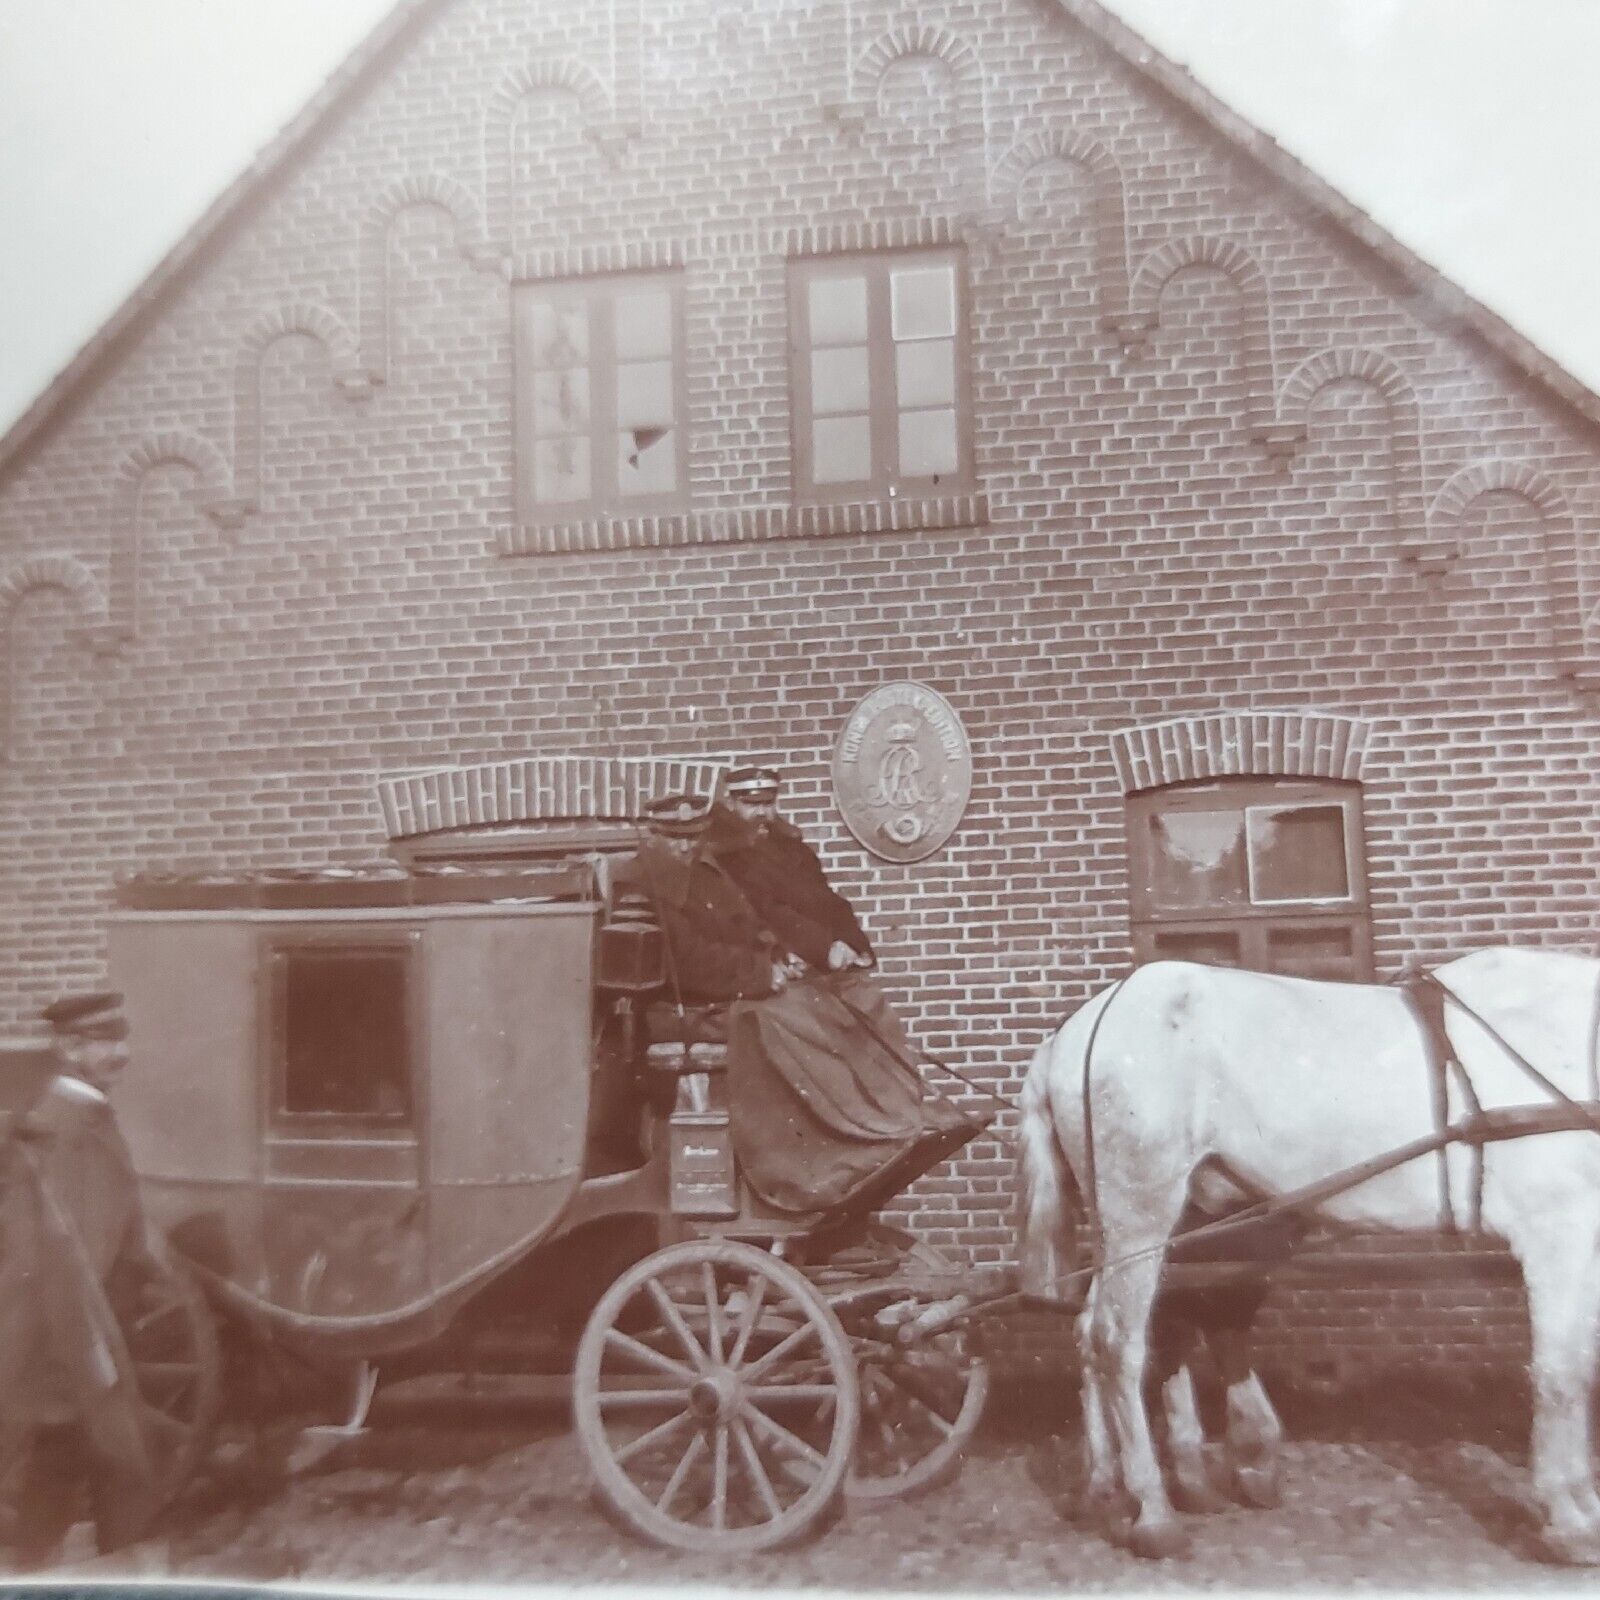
x=1426 y=997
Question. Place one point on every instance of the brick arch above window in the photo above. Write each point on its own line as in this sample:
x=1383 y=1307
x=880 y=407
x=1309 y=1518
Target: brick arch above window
x=1288 y=744
x=539 y=789
x=430 y=189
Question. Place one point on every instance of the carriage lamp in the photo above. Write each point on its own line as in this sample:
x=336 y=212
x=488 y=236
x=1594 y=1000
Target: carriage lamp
x=631 y=954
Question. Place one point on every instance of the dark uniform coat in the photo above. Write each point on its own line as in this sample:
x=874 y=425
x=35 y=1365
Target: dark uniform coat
x=70 y=1216
x=782 y=878
x=717 y=948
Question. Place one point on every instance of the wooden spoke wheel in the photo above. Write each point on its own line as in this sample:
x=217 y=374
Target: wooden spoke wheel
x=715 y=1397
x=921 y=1403
x=172 y=1341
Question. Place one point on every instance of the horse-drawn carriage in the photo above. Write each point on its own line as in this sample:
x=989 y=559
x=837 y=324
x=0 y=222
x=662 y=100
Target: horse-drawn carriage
x=380 y=1119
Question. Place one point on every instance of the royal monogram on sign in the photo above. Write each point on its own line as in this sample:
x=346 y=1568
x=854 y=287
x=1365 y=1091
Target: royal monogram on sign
x=902 y=771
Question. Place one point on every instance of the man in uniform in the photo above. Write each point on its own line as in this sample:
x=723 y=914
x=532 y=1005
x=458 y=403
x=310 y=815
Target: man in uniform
x=717 y=949
x=69 y=1209
x=782 y=877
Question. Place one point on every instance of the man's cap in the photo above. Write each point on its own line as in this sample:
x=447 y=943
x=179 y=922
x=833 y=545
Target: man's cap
x=95 y=1016
x=752 y=783
x=678 y=816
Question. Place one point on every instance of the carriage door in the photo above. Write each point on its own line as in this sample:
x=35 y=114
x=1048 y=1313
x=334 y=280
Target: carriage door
x=344 y=1229
x=1268 y=874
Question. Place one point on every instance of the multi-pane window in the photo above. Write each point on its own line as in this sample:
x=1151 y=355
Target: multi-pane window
x=880 y=376
x=600 y=406
x=1259 y=873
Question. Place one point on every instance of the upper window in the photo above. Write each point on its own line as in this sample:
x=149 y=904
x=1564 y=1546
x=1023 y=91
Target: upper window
x=600 y=402
x=341 y=1047
x=1258 y=873
x=879 y=375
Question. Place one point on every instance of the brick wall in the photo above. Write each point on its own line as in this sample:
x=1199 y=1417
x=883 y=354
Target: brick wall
x=1228 y=461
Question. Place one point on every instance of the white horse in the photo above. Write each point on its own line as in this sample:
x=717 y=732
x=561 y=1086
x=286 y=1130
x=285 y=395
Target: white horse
x=1183 y=1072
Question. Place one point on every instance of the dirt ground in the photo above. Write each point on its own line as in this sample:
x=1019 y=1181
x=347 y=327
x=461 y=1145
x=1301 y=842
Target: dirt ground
x=1388 y=1489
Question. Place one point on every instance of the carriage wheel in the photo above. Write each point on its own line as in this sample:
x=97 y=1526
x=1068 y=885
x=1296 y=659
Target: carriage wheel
x=172 y=1342
x=715 y=1396
x=920 y=1403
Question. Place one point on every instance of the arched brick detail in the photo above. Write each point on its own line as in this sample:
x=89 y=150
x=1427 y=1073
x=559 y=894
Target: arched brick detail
x=564 y=75
x=943 y=44
x=1109 y=214
x=539 y=789
x=349 y=377
x=1494 y=477
x=217 y=500
x=1240 y=744
x=1235 y=263
x=1377 y=371
x=927 y=40
x=48 y=571
x=471 y=237
x=52 y=571
x=1574 y=601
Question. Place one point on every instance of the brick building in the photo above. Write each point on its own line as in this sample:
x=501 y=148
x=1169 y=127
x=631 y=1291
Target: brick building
x=575 y=389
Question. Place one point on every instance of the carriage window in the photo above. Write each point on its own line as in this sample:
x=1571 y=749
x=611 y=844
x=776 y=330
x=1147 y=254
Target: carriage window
x=600 y=403
x=1248 y=872
x=342 y=1043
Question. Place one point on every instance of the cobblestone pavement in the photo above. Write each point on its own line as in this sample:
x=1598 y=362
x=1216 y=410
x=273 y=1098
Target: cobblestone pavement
x=1364 y=1506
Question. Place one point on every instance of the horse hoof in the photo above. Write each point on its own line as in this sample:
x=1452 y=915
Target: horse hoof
x=1107 y=1509
x=1160 y=1541
x=1261 y=1487
x=1197 y=1496
x=1569 y=1549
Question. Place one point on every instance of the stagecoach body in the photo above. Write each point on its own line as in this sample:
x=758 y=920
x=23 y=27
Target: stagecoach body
x=345 y=1116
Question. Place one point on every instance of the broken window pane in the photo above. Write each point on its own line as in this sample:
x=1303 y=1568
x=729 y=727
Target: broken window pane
x=923 y=303
x=838 y=310
x=841 y=449
x=561 y=469
x=839 y=380
x=644 y=394
x=644 y=325
x=925 y=373
x=561 y=402
x=1297 y=853
x=927 y=443
x=647 y=461
x=1197 y=859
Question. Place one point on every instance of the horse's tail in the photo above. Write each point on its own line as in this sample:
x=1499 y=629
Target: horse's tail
x=1047 y=1195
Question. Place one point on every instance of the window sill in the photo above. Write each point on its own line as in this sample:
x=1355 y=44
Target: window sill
x=747 y=524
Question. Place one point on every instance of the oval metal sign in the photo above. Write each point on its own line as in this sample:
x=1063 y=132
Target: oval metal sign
x=902 y=771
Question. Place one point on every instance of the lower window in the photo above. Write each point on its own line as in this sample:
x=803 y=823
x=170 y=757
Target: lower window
x=1250 y=872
